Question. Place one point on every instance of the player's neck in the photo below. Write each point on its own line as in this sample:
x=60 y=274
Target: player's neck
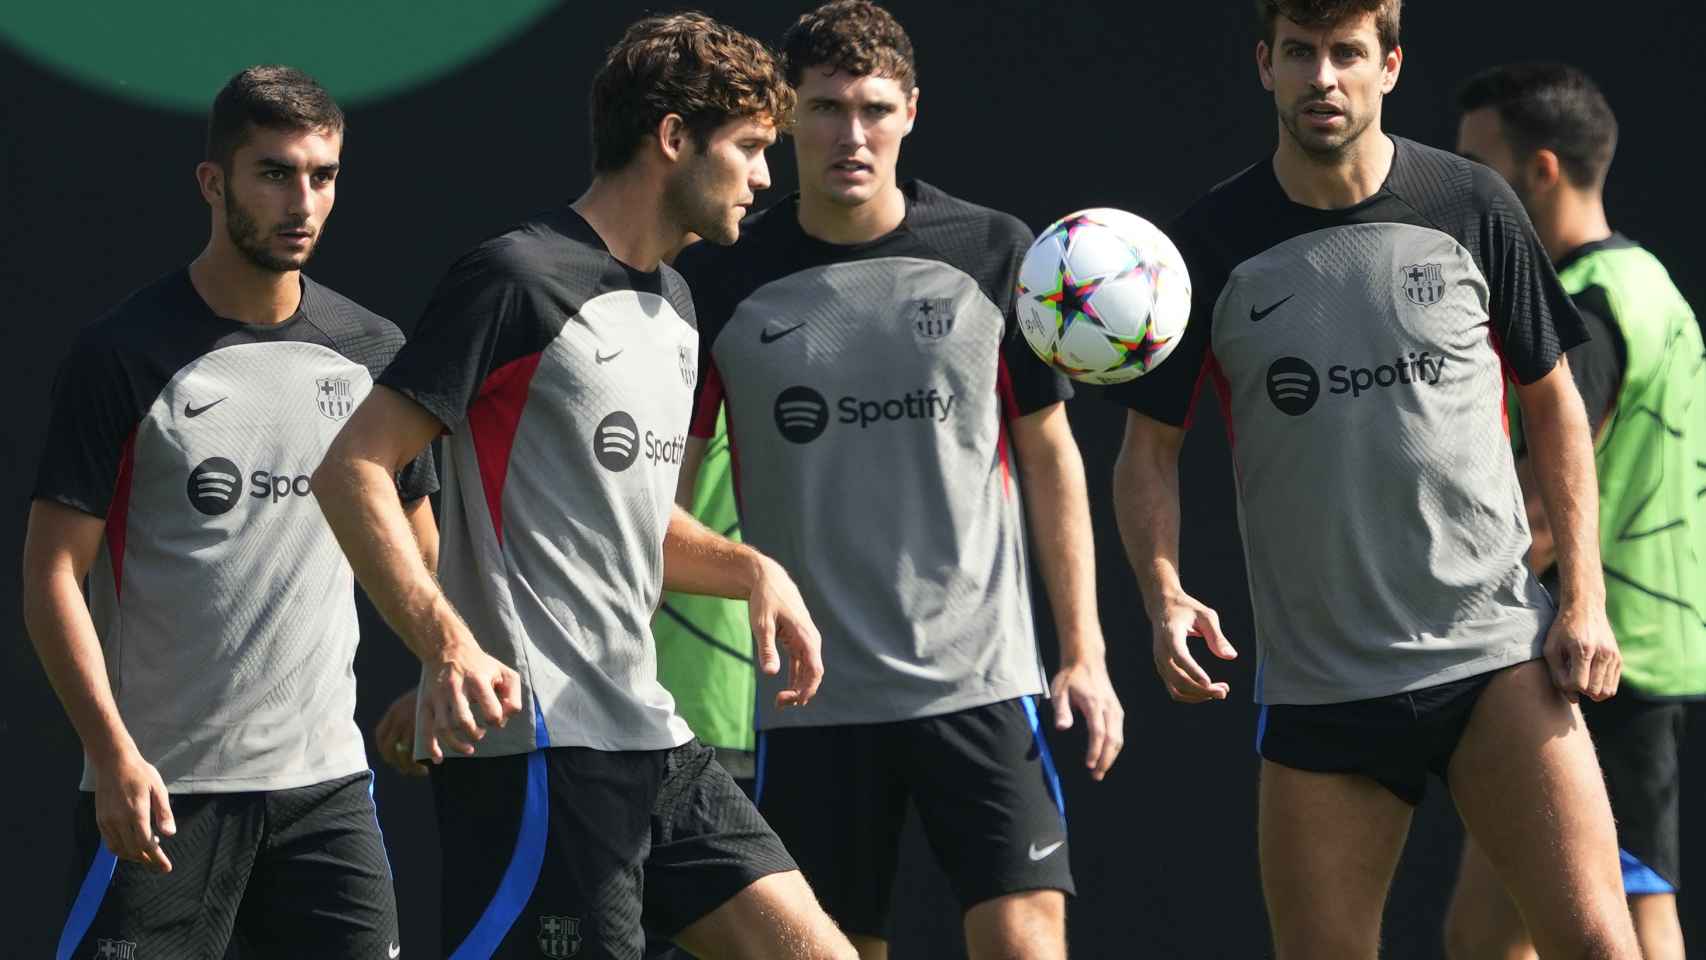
x=236 y=288
x=832 y=222
x=1577 y=218
x=1346 y=180
x=626 y=214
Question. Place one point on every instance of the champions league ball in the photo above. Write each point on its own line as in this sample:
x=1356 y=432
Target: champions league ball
x=1103 y=296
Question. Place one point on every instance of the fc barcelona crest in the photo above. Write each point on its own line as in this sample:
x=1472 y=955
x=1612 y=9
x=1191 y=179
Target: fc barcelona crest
x=932 y=318
x=332 y=395
x=689 y=364
x=1424 y=283
x=559 y=937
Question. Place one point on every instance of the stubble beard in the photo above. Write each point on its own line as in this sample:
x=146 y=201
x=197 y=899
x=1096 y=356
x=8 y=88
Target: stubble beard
x=247 y=236
x=687 y=203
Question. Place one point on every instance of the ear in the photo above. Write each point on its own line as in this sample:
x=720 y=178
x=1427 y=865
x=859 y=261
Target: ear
x=1543 y=170
x=672 y=136
x=1389 y=69
x=1265 y=65
x=210 y=177
x=911 y=110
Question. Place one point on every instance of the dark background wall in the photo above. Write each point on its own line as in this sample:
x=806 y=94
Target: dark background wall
x=1036 y=109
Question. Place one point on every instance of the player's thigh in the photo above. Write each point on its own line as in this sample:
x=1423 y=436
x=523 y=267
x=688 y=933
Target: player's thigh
x=833 y=796
x=1031 y=924
x=1482 y=922
x=322 y=882
x=542 y=852
x=708 y=845
x=1528 y=787
x=119 y=909
x=1329 y=844
x=775 y=918
x=989 y=800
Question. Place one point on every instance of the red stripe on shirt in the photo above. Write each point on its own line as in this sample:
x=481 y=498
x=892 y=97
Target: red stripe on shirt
x=1010 y=411
x=118 y=513
x=492 y=422
x=1223 y=390
x=1507 y=376
x=704 y=422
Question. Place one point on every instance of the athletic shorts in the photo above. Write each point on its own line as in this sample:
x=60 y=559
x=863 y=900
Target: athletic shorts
x=1395 y=741
x=574 y=852
x=1639 y=743
x=983 y=783
x=283 y=873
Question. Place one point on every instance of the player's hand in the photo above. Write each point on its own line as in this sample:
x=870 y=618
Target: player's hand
x=1581 y=651
x=133 y=811
x=1183 y=617
x=468 y=691
x=1085 y=685
x=394 y=736
x=780 y=620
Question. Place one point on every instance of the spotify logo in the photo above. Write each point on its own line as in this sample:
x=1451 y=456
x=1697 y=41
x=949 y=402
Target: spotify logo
x=616 y=442
x=1293 y=385
x=214 y=486
x=801 y=414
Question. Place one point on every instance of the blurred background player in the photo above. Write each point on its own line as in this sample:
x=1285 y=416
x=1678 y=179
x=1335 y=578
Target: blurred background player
x=885 y=416
x=1547 y=129
x=560 y=357
x=210 y=675
x=1357 y=298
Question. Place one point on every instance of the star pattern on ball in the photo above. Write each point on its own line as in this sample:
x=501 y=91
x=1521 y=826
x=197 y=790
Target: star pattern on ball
x=1071 y=296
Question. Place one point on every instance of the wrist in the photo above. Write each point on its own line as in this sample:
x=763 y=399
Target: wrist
x=110 y=752
x=1082 y=645
x=749 y=569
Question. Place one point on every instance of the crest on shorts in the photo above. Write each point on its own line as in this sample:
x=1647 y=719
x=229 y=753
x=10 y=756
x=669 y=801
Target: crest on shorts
x=932 y=318
x=689 y=363
x=1424 y=283
x=559 y=937
x=332 y=395
x=115 y=950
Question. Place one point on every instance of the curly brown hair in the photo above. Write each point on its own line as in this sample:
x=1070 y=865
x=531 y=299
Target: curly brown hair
x=1326 y=13
x=688 y=64
x=854 y=36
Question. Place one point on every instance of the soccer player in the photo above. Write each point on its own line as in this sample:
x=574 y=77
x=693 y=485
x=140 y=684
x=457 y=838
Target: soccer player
x=573 y=803
x=1356 y=299
x=209 y=675
x=1548 y=130
x=884 y=417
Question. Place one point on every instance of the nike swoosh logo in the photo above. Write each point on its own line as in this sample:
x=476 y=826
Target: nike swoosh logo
x=765 y=336
x=393 y=951
x=1043 y=853
x=190 y=411
x=601 y=358
x=1257 y=315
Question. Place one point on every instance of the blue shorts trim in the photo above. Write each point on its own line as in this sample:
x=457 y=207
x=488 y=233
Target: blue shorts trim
x=1640 y=879
x=522 y=874
x=1043 y=754
x=758 y=769
x=88 y=902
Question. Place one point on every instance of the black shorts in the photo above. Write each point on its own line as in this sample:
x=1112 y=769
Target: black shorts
x=1395 y=741
x=284 y=873
x=1639 y=743
x=574 y=852
x=982 y=780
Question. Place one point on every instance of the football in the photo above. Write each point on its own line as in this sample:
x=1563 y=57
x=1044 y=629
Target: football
x=1103 y=296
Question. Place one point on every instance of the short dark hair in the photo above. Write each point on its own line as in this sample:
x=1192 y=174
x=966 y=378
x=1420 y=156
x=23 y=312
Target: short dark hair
x=688 y=64
x=1549 y=106
x=1316 y=14
x=272 y=97
x=856 y=37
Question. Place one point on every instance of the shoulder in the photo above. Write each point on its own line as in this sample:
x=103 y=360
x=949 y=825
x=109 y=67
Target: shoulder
x=1450 y=190
x=321 y=303
x=675 y=291
x=1233 y=199
x=142 y=318
x=936 y=213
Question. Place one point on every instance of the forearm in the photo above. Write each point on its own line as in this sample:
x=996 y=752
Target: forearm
x=697 y=560
x=1541 y=552
x=64 y=638
x=1058 y=505
x=1561 y=454
x=359 y=499
x=1146 y=508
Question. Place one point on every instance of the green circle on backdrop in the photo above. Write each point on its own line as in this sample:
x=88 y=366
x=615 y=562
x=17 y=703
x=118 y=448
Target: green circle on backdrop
x=176 y=54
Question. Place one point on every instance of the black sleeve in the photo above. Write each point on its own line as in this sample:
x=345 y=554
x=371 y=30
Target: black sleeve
x=1035 y=384
x=1532 y=316
x=93 y=421
x=1168 y=393
x=1597 y=365
x=488 y=311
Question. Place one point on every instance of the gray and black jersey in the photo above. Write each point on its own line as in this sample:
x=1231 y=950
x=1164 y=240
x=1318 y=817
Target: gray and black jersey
x=1359 y=355
x=225 y=609
x=565 y=380
x=869 y=390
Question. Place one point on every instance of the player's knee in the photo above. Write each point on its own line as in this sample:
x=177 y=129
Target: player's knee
x=1030 y=925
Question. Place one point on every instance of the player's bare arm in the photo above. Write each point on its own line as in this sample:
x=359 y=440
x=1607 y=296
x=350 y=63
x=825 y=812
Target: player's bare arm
x=692 y=458
x=394 y=734
x=697 y=560
x=1052 y=472
x=1146 y=504
x=467 y=689
x=131 y=805
x=1580 y=648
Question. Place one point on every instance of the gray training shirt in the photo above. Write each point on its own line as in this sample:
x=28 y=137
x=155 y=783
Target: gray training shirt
x=870 y=389
x=1359 y=355
x=225 y=609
